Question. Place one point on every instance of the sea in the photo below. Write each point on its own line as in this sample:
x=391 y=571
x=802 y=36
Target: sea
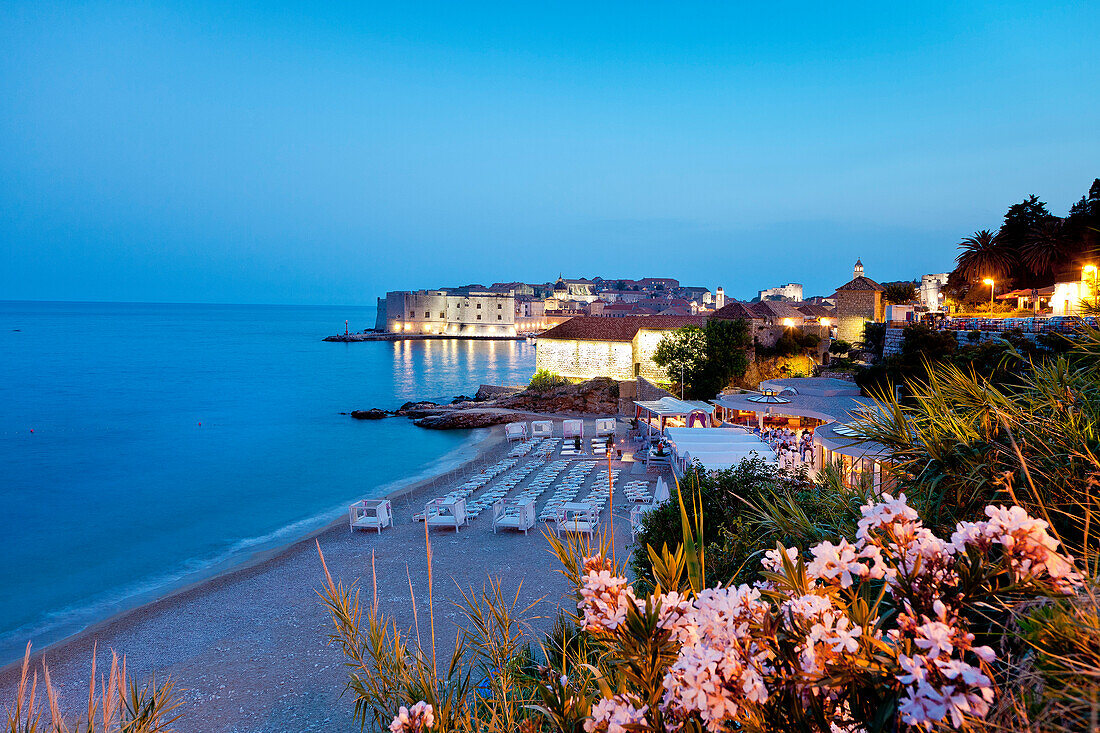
x=146 y=446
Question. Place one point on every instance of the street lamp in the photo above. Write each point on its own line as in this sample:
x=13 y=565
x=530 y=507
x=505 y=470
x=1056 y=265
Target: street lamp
x=989 y=281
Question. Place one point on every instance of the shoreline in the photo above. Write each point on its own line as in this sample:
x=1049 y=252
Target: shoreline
x=249 y=651
x=268 y=551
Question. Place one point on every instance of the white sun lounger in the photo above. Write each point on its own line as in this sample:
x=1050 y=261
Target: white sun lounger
x=370 y=514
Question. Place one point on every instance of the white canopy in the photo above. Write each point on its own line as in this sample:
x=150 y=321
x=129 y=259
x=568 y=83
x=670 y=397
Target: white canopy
x=573 y=428
x=672 y=407
x=716 y=448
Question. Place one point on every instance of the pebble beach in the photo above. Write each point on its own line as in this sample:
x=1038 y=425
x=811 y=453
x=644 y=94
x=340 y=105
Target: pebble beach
x=248 y=649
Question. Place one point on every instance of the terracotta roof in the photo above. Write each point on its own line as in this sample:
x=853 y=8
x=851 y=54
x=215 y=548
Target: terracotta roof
x=776 y=309
x=814 y=310
x=735 y=311
x=595 y=328
x=861 y=283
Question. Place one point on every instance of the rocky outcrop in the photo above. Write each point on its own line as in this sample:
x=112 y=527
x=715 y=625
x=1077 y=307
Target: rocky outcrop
x=492 y=391
x=598 y=396
x=372 y=414
x=471 y=418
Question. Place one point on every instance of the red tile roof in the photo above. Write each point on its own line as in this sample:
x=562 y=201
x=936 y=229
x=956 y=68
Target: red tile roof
x=594 y=328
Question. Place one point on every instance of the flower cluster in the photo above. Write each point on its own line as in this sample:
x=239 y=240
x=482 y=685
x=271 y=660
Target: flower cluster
x=801 y=633
x=420 y=718
x=605 y=596
x=721 y=665
x=613 y=714
x=939 y=683
x=1031 y=552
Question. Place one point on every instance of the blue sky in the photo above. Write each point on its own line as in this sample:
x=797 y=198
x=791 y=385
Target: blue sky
x=324 y=153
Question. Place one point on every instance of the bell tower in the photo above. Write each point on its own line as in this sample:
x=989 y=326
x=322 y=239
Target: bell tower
x=858 y=271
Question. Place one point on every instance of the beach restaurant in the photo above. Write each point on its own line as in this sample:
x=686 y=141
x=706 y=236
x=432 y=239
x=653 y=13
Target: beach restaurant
x=822 y=404
x=669 y=412
x=715 y=449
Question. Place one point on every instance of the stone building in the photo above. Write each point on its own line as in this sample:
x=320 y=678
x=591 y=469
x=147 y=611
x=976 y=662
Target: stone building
x=857 y=302
x=449 y=312
x=790 y=291
x=621 y=348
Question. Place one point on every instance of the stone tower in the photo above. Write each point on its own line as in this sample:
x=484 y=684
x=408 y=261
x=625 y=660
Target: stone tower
x=719 y=298
x=858 y=302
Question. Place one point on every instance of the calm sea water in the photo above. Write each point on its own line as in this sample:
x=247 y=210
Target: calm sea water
x=143 y=445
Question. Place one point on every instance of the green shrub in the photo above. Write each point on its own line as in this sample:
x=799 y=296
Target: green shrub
x=545 y=380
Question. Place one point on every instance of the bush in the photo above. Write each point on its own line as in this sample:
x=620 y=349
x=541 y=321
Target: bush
x=545 y=380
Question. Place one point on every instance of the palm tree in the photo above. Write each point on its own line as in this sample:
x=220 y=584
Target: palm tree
x=983 y=256
x=1047 y=247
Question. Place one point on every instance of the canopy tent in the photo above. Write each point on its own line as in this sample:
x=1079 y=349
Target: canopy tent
x=667 y=407
x=715 y=448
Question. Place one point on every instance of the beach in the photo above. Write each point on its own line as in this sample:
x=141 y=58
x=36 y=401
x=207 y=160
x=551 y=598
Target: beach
x=248 y=649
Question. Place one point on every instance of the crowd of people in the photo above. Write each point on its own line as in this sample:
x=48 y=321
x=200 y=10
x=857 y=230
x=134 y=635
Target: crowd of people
x=793 y=447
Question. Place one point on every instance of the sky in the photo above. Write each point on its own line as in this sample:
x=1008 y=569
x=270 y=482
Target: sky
x=325 y=153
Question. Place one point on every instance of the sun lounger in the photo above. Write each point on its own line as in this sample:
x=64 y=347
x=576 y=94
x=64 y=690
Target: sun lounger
x=371 y=514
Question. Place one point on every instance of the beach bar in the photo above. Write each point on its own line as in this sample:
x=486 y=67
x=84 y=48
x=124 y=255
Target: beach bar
x=672 y=412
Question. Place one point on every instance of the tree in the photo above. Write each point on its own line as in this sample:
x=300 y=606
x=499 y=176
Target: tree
x=1019 y=225
x=900 y=293
x=682 y=354
x=984 y=255
x=1048 y=248
x=726 y=344
x=707 y=358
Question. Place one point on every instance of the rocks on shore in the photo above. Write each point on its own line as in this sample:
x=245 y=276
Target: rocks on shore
x=498 y=405
x=473 y=418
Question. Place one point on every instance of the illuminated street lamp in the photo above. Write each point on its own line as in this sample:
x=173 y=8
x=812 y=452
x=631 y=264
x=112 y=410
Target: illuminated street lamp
x=989 y=281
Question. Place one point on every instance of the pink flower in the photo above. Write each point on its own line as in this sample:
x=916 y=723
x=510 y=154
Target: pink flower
x=419 y=718
x=612 y=714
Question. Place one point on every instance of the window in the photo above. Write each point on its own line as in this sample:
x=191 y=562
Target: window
x=479 y=316
x=427 y=314
x=442 y=315
x=500 y=318
x=479 y=306
x=499 y=306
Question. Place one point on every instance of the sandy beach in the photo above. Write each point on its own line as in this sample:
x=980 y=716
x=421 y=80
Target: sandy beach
x=248 y=649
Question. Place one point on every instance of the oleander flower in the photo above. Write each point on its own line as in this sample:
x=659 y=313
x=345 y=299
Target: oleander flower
x=1031 y=552
x=416 y=720
x=721 y=665
x=845 y=563
x=604 y=600
x=613 y=714
x=773 y=561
